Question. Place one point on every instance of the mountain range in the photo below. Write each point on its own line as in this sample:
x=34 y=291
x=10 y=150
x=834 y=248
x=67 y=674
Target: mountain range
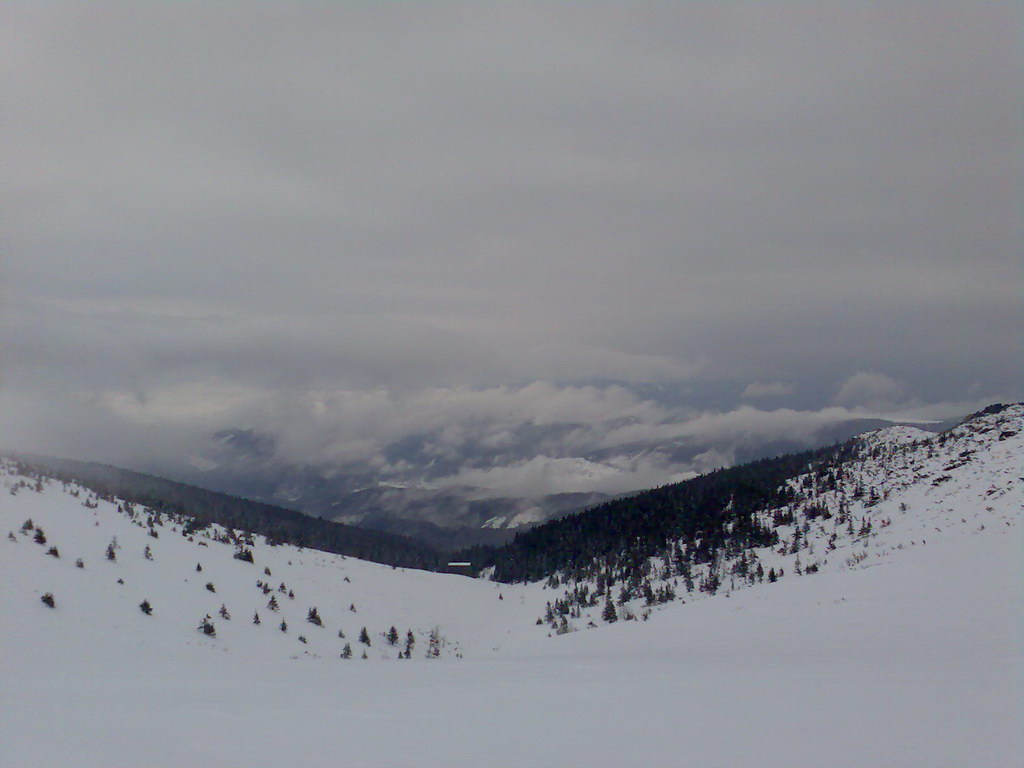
x=448 y=498
x=847 y=605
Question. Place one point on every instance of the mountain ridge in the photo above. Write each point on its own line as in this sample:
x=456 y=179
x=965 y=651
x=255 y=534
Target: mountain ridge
x=905 y=620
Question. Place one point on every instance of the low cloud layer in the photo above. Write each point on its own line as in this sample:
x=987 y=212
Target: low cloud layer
x=532 y=440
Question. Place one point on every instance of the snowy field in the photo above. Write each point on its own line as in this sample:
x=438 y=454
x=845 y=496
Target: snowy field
x=913 y=658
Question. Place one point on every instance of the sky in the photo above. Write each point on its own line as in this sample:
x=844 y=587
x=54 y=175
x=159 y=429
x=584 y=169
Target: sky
x=348 y=223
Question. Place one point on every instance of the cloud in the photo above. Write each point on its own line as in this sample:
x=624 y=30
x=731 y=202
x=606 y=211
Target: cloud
x=542 y=475
x=476 y=229
x=871 y=390
x=756 y=390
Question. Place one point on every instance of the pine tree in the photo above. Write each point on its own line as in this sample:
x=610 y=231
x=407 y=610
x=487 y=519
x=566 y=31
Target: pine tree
x=40 y=537
x=609 y=613
x=272 y=603
x=364 y=636
x=346 y=652
x=313 y=617
x=648 y=593
x=410 y=641
x=392 y=636
x=146 y=608
x=256 y=617
x=434 y=645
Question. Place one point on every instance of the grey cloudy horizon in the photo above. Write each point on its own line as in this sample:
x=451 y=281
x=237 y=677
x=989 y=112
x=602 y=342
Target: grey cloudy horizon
x=350 y=223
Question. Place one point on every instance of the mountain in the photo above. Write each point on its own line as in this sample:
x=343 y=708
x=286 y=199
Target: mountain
x=743 y=524
x=205 y=506
x=890 y=635
x=456 y=493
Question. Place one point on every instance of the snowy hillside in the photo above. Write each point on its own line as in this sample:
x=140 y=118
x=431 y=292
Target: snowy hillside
x=890 y=636
x=187 y=575
x=886 y=492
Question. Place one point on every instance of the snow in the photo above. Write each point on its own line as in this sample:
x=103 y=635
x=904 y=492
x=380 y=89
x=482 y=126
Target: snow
x=913 y=655
x=898 y=434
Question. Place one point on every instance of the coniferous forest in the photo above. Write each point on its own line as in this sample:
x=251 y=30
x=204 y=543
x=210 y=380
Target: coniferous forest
x=708 y=514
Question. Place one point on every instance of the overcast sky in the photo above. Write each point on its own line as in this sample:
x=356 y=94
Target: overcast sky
x=386 y=215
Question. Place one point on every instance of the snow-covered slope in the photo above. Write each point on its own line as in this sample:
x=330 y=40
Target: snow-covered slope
x=901 y=647
x=890 y=491
x=158 y=560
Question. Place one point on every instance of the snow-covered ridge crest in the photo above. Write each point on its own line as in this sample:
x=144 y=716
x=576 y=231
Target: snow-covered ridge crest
x=897 y=434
